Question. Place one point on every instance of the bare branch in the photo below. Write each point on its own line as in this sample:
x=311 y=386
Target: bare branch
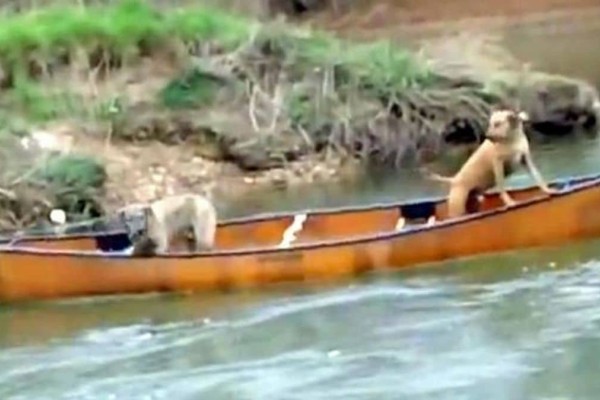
x=9 y=194
x=252 y=108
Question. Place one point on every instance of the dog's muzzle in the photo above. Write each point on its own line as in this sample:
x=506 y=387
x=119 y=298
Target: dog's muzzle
x=513 y=121
x=135 y=225
x=495 y=138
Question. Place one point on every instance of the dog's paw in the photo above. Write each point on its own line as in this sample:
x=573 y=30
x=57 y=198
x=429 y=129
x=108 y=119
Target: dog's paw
x=509 y=204
x=552 y=191
x=508 y=201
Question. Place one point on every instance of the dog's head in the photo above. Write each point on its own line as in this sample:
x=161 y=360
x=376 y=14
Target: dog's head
x=505 y=124
x=134 y=218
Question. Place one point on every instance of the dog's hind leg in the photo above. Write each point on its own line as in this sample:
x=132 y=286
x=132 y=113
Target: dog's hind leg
x=204 y=232
x=472 y=204
x=203 y=238
x=457 y=201
x=190 y=240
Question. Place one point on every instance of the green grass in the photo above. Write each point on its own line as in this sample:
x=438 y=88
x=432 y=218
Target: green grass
x=379 y=66
x=378 y=70
x=37 y=104
x=30 y=100
x=73 y=171
x=127 y=24
x=192 y=90
x=118 y=26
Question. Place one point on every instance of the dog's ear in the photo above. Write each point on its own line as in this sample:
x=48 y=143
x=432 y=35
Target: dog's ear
x=517 y=118
x=523 y=116
x=147 y=212
x=497 y=118
x=513 y=119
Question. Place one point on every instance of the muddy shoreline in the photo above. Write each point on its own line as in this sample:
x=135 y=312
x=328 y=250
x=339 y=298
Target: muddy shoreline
x=358 y=17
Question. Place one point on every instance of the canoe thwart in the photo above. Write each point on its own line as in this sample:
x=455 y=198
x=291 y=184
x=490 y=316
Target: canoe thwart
x=289 y=235
x=418 y=211
x=400 y=224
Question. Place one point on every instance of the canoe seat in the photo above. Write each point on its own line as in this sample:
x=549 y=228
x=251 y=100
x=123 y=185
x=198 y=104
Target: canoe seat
x=113 y=242
x=416 y=213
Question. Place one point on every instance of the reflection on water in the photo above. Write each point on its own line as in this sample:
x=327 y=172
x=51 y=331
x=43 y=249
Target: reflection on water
x=512 y=326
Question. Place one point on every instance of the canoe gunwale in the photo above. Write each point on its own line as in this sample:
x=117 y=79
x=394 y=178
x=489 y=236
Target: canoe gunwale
x=575 y=185
x=586 y=179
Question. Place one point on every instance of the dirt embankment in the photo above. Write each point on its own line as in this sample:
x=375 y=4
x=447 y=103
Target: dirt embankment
x=124 y=102
x=364 y=15
x=369 y=19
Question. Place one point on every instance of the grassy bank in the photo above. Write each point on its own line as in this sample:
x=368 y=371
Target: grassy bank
x=261 y=97
x=44 y=50
x=34 y=43
x=307 y=81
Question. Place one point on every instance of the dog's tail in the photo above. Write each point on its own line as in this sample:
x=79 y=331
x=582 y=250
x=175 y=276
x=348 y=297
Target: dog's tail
x=435 y=177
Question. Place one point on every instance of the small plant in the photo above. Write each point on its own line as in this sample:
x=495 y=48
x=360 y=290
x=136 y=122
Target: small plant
x=194 y=89
x=117 y=28
x=36 y=103
x=72 y=171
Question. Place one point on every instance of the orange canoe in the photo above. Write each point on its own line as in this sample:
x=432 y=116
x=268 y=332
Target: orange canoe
x=328 y=244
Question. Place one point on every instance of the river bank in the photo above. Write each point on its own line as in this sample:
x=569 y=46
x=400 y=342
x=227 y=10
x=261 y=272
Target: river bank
x=146 y=103
x=372 y=19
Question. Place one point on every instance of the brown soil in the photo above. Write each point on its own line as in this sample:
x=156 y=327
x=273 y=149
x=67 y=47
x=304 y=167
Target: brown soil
x=406 y=18
x=364 y=15
x=142 y=172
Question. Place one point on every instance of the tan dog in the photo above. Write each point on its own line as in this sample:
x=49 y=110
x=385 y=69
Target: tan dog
x=505 y=148
x=168 y=217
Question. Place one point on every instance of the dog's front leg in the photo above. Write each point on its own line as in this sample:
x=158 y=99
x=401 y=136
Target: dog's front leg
x=500 y=182
x=162 y=242
x=535 y=174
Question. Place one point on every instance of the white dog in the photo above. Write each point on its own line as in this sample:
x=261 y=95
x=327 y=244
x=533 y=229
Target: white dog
x=158 y=222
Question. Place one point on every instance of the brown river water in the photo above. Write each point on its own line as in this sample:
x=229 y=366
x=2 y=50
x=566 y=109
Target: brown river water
x=520 y=325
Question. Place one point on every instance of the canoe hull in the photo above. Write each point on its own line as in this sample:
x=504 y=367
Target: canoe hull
x=27 y=274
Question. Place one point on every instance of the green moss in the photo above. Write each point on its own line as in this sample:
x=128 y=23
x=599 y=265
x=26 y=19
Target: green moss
x=75 y=172
x=118 y=26
x=192 y=90
x=28 y=97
